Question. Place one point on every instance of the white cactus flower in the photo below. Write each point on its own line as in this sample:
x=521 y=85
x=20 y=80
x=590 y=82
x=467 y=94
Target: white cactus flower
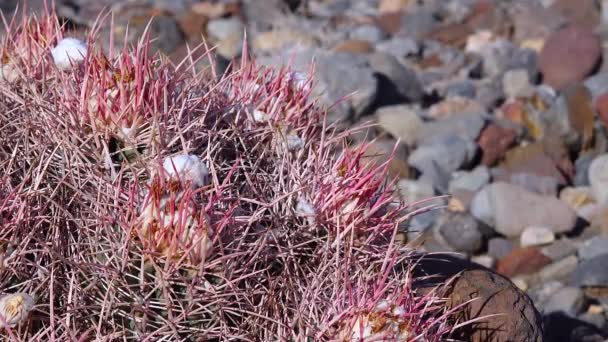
x=15 y=308
x=186 y=167
x=69 y=52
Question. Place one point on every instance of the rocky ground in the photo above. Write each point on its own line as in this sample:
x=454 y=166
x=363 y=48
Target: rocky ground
x=501 y=104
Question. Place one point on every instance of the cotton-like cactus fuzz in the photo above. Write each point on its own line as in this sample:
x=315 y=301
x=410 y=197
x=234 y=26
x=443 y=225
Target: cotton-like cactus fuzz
x=15 y=308
x=68 y=53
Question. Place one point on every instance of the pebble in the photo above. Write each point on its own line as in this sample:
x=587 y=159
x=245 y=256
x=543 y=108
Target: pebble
x=402 y=79
x=401 y=121
x=516 y=84
x=560 y=249
x=399 y=47
x=536 y=236
x=568 y=300
x=522 y=261
x=448 y=154
x=598 y=178
x=471 y=181
x=506 y=207
x=499 y=248
x=414 y=190
x=484 y=260
x=459 y=231
x=558 y=270
x=569 y=55
x=370 y=33
x=466 y=127
x=593 y=247
x=591 y=272
x=494 y=141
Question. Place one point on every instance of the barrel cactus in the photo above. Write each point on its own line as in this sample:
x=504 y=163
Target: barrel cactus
x=142 y=200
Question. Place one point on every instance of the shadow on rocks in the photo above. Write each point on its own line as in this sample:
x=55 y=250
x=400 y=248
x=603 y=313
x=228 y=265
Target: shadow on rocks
x=560 y=327
x=507 y=313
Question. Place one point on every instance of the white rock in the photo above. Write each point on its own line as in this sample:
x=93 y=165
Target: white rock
x=294 y=142
x=598 y=178
x=69 y=52
x=14 y=308
x=536 y=236
x=484 y=260
x=259 y=116
x=186 y=167
x=305 y=209
x=478 y=42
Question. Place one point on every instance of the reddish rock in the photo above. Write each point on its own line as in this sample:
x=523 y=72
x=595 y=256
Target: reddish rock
x=580 y=113
x=494 y=142
x=569 y=55
x=532 y=159
x=354 y=46
x=454 y=34
x=522 y=261
x=514 y=111
x=601 y=105
x=390 y=22
x=514 y=316
x=580 y=12
x=505 y=313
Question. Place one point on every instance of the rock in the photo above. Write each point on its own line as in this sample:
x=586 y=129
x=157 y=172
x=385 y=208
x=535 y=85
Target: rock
x=584 y=13
x=399 y=47
x=558 y=270
x=390 y=6
x=228 y=34
x=466 y=127
x=460 y=88
x=577 y=125
x=593 y=247
x=401 y=122
x=495 y=295
x=412 y=191
x=417 y=24
x=506 y=208
x=498 y=248
x=536 y=236
x=601 y=106
x=567 y=299
x=484 y=260
x=334 y=78
x=516 y=83
x=581 y=167
x=569 y=55
x=494 y=141
x=455 y=106
x=400 y=78
x=560 y=249
x=501 y=56
x=369 y=33
x=479 y=41
x=591 y=272
x=522 y=261
x=597 y=84
x=598 y=178
x=449 y=154
x=378 y=153
x=278 y=39
x=164 y=30
x=471 y=181
x=576 y=197
x=542 y=185
x=532 y=159
x=459 y=231
x=354 y=46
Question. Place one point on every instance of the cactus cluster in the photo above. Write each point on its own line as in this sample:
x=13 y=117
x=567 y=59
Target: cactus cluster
x=142 y=200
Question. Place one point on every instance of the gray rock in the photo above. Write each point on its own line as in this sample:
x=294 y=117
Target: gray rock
x=560 y=249
x=399 y=47
x=591 y=272
x=415 y=190
x=489 y=93
x=506 y=207
x=581 y=169
x=404 y=80
x=516 y=83
x=459 y=231
x=328 y=9
x=568 y=300
x=536 y=236
x=559 y=270
x=401 y=121
x=598 y=178
x=336 y=76
x=224 y=28
x=593 y=247
x=418 y=23
x=463 y=88
x=467 y=127
x=470 y=180
x=542 y=185
x=499 y=247
x=424 y=221
x=501 y=55
x=448 y=154
x=597 y=84
x=370 y=33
